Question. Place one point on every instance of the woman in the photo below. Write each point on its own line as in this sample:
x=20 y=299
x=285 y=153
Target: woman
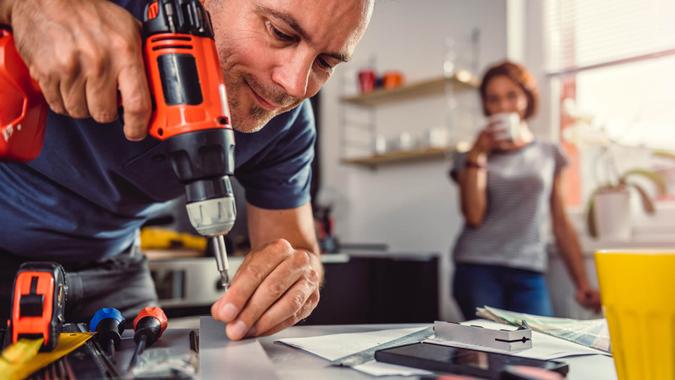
x=510 y=188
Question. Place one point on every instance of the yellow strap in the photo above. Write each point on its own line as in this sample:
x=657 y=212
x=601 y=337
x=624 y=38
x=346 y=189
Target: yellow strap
x=22 y=358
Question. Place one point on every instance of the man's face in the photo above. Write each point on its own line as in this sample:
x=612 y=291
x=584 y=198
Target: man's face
x=276 y=53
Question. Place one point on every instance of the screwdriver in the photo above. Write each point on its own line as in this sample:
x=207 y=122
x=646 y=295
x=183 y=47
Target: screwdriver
x=107 y=323
x=221 y=260
x=149 y=325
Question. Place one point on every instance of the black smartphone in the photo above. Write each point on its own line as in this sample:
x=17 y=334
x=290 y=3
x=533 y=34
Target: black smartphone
x=464 y=361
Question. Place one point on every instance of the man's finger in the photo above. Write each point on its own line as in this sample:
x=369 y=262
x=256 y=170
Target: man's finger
x=282 y=285
x=74 y=96
x=250 y=275
x=291 y=304
x=102 y=99
x=51 y=91
x=285 y=285
x=135 y=94
x=297 y=317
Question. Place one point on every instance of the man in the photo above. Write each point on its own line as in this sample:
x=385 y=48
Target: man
x=82 y=201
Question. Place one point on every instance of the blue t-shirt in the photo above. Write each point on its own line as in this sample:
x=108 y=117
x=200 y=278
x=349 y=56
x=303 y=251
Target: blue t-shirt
x=90 y=190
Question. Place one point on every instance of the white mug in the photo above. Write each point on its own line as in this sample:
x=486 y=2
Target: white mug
x=505 y=126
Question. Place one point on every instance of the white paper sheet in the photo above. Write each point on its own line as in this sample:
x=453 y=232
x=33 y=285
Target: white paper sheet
x=336 y=346
x=544 y=346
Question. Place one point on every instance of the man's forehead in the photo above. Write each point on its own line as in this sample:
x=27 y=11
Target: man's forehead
x=332 y=24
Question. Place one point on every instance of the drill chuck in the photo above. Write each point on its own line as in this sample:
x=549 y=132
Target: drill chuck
x=212 y=217
x=204 y=161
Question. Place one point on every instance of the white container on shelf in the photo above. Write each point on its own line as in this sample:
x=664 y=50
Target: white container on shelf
x=436 y=137
x=401 y=142
x=381 y=145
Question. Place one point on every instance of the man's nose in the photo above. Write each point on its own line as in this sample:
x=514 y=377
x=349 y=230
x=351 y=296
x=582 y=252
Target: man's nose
x=293 y=75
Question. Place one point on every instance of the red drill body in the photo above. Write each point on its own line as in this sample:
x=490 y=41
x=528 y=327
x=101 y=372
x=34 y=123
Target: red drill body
x=23 y=110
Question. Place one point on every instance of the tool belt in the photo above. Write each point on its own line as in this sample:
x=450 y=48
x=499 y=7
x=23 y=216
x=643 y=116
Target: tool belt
x=122 y=281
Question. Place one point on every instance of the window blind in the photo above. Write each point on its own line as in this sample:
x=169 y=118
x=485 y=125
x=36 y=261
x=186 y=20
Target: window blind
x=582 y=34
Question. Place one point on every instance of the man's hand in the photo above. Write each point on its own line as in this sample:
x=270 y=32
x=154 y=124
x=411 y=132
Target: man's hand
x=588 y=298
x=275 y=287
x=82 y=52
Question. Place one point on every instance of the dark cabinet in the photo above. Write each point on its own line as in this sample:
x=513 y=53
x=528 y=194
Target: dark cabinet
x=379 y=290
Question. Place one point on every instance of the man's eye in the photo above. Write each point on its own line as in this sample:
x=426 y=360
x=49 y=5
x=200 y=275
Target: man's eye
x=278 y=34
x=324 y=64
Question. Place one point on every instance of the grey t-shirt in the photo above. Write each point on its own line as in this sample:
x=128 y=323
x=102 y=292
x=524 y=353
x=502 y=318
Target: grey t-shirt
x=515 y=229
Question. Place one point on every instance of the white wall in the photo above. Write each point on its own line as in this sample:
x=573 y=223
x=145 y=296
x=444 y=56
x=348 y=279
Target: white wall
x=411 y=207
x=545 y=123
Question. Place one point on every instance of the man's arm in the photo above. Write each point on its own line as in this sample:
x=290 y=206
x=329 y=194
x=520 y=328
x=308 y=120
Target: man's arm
x=568 y=244
x=277 y=285
x=295 y=225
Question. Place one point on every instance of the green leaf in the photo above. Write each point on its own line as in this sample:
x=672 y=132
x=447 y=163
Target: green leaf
x=651 y=175
x=646 y=200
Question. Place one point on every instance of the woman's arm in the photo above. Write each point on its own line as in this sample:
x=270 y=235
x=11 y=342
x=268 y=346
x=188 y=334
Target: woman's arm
x=570 y=249
x=472 y=180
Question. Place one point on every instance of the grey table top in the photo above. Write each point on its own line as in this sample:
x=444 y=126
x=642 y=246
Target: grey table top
x=296 y=364
x=291 y=363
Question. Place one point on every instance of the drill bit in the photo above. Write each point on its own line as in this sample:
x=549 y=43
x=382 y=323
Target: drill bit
x=221 y=260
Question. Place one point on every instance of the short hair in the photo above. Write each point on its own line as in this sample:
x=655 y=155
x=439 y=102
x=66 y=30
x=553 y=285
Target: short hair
x=518 y=74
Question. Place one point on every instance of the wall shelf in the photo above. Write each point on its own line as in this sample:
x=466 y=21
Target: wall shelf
x=462 y=80
x=402 y=156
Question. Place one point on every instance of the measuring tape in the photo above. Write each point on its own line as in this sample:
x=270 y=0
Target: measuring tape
x=21 y=359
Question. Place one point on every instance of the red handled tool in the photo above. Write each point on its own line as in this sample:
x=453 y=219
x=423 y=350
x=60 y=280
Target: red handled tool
x=149 y=325
x=38 y=303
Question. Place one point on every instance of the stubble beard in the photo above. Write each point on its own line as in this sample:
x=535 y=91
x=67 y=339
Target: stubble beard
x=249 y=117
x=244 y=120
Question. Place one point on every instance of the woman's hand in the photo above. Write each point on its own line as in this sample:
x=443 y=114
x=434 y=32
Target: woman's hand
x=588 y=298
x=481 y=147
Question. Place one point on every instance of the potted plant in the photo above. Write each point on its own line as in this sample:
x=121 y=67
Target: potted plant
x=608 y=213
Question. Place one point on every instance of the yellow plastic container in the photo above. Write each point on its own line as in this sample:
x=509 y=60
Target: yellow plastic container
x=638 y=296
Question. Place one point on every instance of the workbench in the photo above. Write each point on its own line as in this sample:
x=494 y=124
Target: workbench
x=291 y=363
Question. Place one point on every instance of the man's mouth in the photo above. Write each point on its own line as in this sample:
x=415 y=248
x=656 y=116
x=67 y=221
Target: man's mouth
x=263 y=102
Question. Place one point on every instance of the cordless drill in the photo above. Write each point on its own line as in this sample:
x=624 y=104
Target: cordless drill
x=190 y=112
